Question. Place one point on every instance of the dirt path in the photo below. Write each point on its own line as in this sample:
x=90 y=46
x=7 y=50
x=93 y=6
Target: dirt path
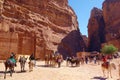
x=84 y=72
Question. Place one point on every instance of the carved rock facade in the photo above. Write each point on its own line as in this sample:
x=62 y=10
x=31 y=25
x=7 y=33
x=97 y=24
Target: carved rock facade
x=39 y=27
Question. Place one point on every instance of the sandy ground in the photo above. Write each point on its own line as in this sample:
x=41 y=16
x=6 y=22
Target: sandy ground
x=89 y=71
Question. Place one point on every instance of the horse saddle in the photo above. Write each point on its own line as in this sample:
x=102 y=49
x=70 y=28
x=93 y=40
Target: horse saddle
x=106 y=64
x=12 y=60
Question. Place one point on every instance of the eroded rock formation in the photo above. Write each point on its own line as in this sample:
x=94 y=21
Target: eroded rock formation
x=110 y=17
x=96 y=30
x=39 y=26
x=112 y=20
x=85 y=39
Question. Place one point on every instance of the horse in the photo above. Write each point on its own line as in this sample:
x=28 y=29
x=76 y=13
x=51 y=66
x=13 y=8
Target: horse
x=73 y=61
x=22 y=61
x=108 y=67
x=9 y=64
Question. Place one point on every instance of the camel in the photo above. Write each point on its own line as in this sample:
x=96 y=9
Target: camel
x=119 y=71
x=52 y=59
x=108 y=67
x=49 y=59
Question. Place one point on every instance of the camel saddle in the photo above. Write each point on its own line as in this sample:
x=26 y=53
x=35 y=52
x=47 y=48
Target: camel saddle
x=106 y=64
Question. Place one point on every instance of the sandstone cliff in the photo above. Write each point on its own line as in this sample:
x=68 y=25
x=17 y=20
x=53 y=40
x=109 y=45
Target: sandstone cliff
x=85 y=39
x=96 y=30
x=112 y=21
x=39 y=26
x=110 y=25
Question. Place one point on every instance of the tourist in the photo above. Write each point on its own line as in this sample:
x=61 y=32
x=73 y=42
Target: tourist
x=95 y=59
x=12 y=58
x=86 y=59
x=32 y=58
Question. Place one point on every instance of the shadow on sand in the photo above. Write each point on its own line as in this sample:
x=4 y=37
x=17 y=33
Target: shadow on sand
x=1 y=71
x=21 y=71
x=99 y=78
x=46 y=66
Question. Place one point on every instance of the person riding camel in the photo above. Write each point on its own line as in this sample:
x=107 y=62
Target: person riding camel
x=12 y=58
x=105 y=61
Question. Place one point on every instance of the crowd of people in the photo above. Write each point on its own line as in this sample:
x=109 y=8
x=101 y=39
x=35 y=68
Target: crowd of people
x=96 y=59
x=104 y=58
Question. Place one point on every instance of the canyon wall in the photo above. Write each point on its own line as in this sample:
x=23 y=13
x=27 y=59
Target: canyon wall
x=40 y=27
x=109 y=25
x=96 y=30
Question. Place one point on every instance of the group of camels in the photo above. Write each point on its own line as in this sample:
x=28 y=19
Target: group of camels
x=53 y=59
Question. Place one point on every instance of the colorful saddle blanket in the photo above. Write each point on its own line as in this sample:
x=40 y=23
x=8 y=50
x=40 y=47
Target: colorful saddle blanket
x=12 y=60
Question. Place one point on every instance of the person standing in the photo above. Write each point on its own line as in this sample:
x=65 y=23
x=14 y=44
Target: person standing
x=86 y=59
x=32 y=58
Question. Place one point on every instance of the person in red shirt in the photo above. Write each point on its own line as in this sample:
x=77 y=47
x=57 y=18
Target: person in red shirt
x=104 y=59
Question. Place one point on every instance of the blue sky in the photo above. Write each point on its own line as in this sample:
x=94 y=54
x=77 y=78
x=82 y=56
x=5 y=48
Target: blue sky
x=82 y=9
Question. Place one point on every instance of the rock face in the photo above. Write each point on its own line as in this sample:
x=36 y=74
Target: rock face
x=111 y=20
x=96 y=30
x=85 y=39
x=70 y=45
x=38 y=27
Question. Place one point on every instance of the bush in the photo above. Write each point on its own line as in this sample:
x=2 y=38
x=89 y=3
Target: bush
x=109 y=49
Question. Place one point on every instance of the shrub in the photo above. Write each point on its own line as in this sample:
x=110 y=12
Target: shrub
x=109 y=49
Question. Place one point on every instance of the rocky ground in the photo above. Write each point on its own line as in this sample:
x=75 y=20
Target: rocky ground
x=89 y=71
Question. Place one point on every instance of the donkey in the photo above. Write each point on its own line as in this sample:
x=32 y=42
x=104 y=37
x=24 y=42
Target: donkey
x=9 y=64
x=22 y=61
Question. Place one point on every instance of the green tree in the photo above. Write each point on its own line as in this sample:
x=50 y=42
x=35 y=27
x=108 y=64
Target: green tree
x=109 y=49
